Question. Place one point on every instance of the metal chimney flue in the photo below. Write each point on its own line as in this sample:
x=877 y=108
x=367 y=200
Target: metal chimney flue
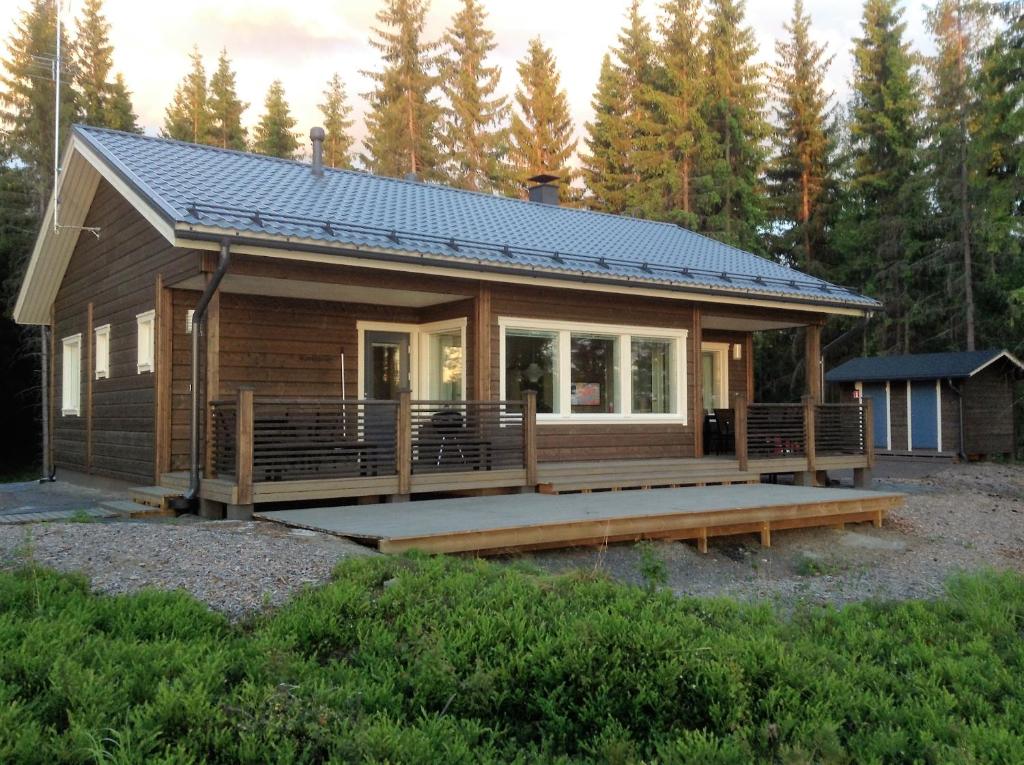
x=316 y=137
x=544 y=190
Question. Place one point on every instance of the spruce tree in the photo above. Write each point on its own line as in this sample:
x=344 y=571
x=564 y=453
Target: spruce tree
x=103 y=102
x=273 y=135
x=998 y=188
x=335 y=109
x=188 y=117
x=881 y=223
x=27 y=97
x=627 y=143
x=542 y=128
x=474 y=134
x=402 y=124
x=734 y=209
x=606 y=171
x=226 y=107
x=684 y=134
x=802 y=173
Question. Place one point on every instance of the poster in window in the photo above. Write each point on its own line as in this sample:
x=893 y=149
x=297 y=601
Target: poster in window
x=586 y=394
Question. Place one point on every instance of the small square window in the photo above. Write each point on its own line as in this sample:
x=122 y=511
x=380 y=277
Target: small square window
x=71 y=376
x=146 y=325
x=189 y=316
x=103 y=352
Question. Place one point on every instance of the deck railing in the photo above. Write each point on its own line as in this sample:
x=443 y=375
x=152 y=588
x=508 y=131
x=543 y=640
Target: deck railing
x=257 y=440
x=804 y=431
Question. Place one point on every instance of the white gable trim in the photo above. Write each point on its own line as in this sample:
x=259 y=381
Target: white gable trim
x=994 y=359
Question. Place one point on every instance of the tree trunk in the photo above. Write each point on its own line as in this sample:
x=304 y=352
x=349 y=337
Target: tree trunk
x=965 y=215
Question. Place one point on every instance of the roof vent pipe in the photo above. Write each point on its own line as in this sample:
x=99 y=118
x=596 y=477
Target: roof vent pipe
x=316 y=137
x=545 y=191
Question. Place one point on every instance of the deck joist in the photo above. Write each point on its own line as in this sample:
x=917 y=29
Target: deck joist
x=534 y=521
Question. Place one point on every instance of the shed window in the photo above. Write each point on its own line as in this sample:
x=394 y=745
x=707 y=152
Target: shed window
x=103 y=352
x=146 y=325
x=71 y=378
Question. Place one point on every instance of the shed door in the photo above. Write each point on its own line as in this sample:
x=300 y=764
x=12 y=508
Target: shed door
x=880 y=410
x=924 y=433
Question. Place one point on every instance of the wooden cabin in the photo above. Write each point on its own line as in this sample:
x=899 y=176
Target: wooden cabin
x=361 y=337
x=954 y=405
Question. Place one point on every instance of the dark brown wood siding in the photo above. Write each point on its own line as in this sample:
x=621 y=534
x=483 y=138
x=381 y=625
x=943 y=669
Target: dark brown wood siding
x=950 y=419
x=988 y=411
x=117 y=273
x=898 y=414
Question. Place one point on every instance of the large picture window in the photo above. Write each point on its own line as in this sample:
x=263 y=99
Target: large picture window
x=531 y=363
x=599 y=372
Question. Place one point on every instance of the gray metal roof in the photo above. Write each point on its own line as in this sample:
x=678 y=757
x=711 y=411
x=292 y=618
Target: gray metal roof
x=915 y=366
x=252 y=195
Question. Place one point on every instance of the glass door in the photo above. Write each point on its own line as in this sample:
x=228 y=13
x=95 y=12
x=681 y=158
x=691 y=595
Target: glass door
x=385 y=364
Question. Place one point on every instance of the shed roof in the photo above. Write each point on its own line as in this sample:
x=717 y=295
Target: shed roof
x=917 y=366
x=205 y=188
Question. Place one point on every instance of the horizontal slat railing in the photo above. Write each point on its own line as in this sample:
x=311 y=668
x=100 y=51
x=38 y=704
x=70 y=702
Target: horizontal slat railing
x=462 y=436
x=840 y=429
x=298 y=438
x=775 y=431
x=224 y=418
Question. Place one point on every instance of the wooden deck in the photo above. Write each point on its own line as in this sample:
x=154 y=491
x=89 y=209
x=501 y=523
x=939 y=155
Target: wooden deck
x=490 y=525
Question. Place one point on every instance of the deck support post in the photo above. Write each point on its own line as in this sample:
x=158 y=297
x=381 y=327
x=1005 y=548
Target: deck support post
x=702 y=541
x=812 y=360
x=739 y=405
x=403 y=441
x=244 y=446
x=530 y=437
x=868 y=413
x=766 y=534
x=810 y=433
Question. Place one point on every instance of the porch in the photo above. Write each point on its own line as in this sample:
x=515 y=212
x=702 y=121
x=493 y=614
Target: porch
x=266 y=450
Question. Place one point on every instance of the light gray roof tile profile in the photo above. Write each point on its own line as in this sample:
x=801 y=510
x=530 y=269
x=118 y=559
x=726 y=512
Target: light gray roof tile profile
x=248 y=195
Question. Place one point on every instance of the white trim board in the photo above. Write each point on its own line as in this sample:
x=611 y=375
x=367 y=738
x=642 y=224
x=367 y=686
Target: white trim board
x=722 y=361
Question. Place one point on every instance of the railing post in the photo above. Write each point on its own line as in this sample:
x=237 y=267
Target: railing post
x=403 y=441
x=244 y=445
x=869 y=431
x=739 y=405
x=810 y=435
x=530 y=436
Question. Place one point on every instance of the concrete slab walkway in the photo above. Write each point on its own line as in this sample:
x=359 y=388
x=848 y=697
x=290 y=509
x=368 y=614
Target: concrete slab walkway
x=33 y=502
x=535 y=520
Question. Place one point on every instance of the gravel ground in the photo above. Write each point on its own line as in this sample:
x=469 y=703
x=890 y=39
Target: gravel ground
x=959 y=518
x=235 y=567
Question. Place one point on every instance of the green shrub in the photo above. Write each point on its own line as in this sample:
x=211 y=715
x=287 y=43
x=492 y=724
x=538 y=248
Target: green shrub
x=427 y=660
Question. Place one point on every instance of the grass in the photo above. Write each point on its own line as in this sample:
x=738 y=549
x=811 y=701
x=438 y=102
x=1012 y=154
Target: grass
x=463 y=661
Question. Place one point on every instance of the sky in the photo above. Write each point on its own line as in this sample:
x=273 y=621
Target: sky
x=304 y=43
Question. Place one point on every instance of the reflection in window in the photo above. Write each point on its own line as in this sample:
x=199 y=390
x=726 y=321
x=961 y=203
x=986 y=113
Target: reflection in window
x=531 y=359
x=652 y=376
x=594 y=372
x=445 y=366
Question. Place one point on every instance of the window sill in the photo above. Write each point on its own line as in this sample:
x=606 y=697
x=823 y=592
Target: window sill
x=143 y=368
x=70 y=413
x=102 y=376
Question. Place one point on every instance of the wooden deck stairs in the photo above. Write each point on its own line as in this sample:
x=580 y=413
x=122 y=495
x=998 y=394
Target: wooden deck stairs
x=615 y=475
x=144 y=502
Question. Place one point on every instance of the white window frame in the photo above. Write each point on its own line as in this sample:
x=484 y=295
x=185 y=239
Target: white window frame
x=71 y=376
x=624 y=394
x=145 y=326
x=102 y=361
x=419 y=337
x=722 y=352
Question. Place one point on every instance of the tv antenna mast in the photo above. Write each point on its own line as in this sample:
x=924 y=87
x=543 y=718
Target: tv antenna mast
x=58 y=64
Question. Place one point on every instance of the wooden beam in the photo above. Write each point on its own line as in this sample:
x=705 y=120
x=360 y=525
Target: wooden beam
x=810 y=432
x=211 y=386
x=749 y=351
x=403 y=440
x=90 y=355
x=482 y=341
x=530 y=437
x=739 y=405
x=698 y=379
x=812 y=360
x=164 y=372
x=244 y=445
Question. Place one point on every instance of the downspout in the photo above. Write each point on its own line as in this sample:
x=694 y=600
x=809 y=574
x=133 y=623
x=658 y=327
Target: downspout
x=198 y=322
x=960 y=406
